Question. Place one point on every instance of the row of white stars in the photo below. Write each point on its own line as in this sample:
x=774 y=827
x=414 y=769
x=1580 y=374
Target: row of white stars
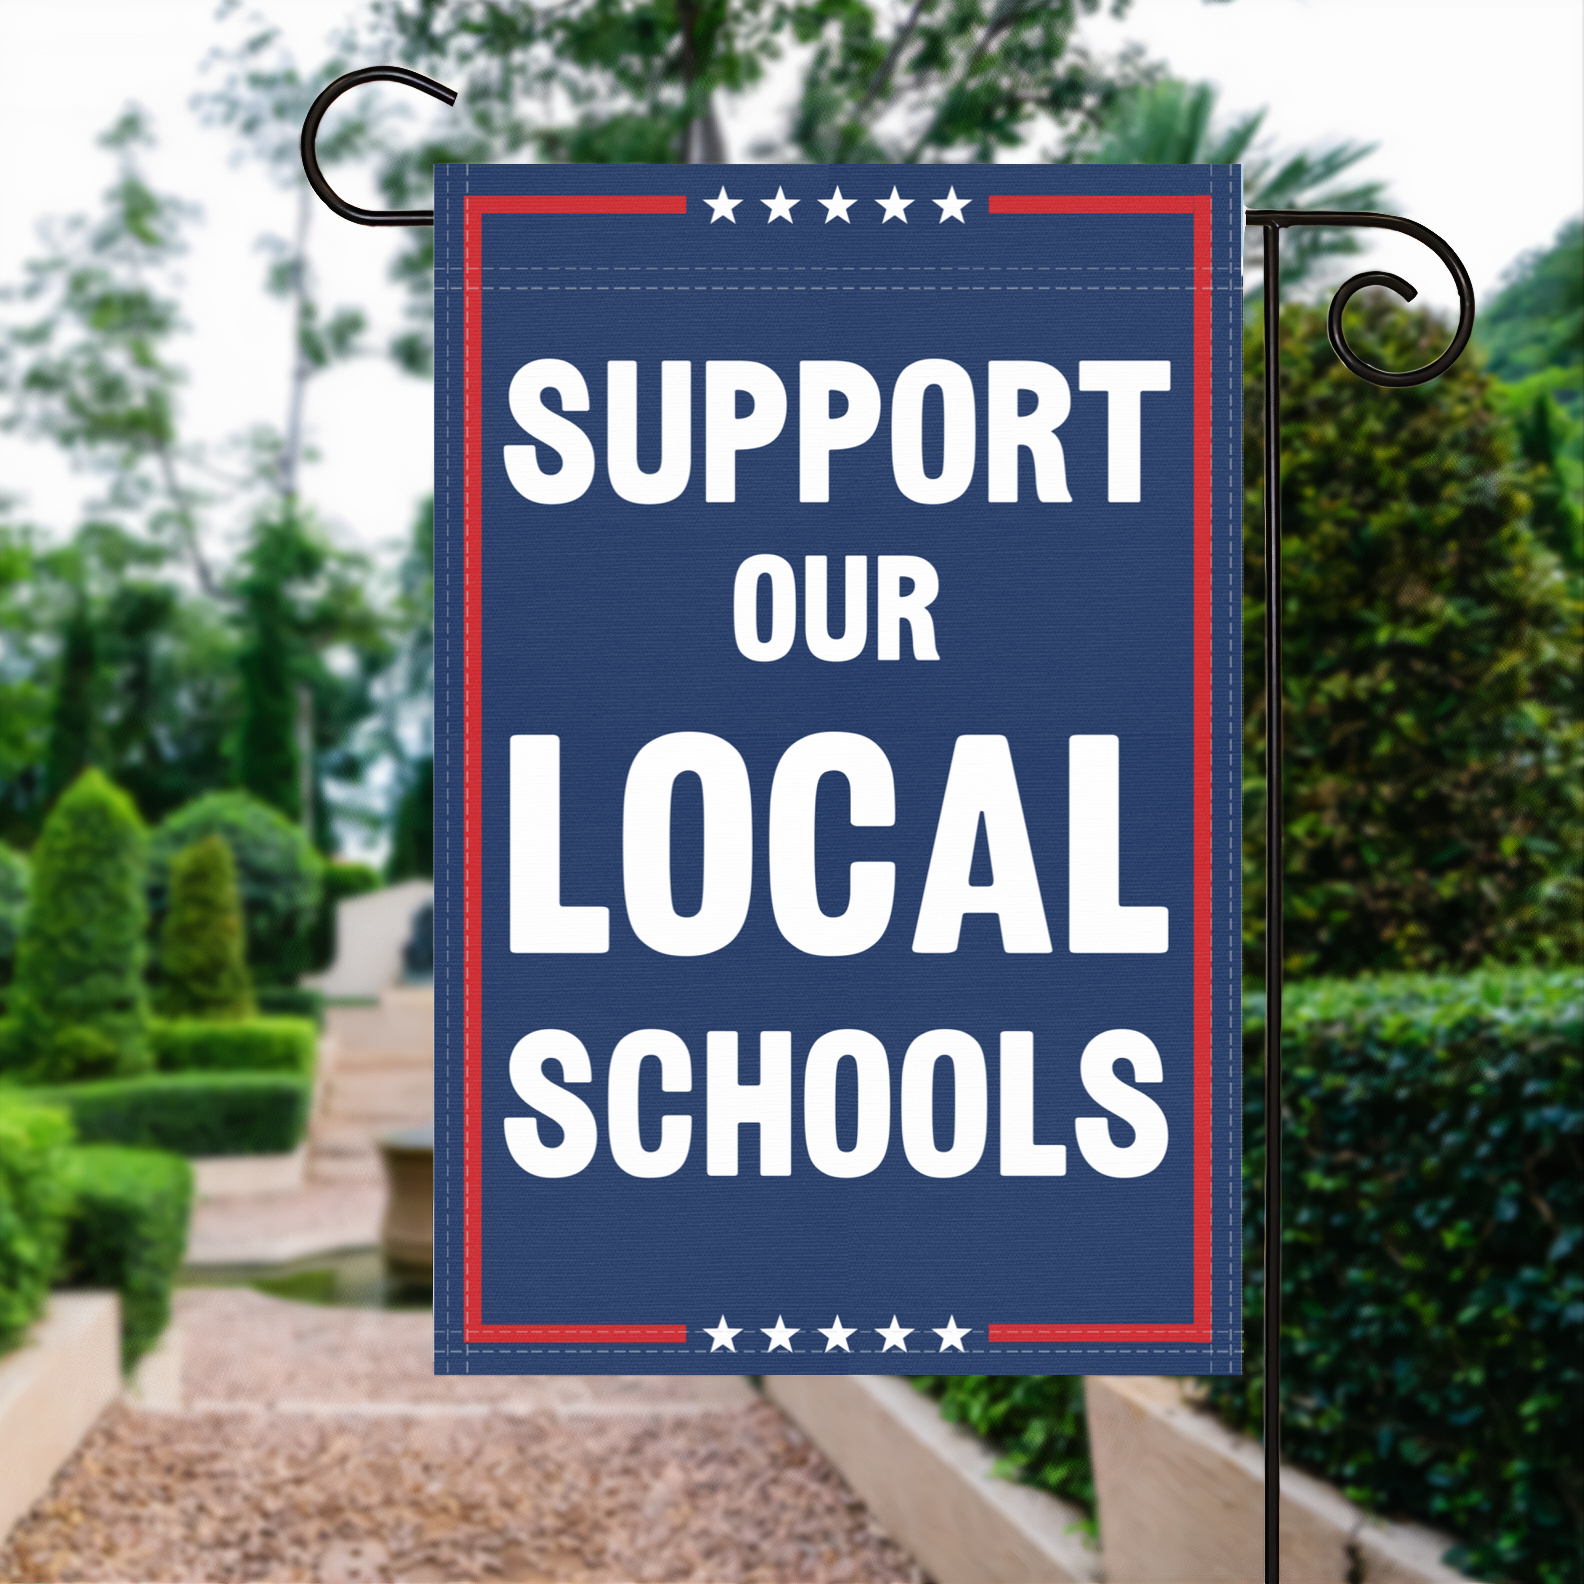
x=781 y=1334
x=836 y=207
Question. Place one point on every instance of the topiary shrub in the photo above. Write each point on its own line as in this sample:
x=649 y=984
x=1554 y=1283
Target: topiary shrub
x=193 y=1113
x=258 y=1044
x=78 y=1008
x=1432 y=1296
x=1434 y=780
x=33 y=1205
x=127 y=1229
x=279 y=874
x=203 y=961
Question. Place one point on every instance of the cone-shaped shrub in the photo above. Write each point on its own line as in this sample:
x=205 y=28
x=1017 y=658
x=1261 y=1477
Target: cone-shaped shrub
x=78 y=1007
x=202 y=946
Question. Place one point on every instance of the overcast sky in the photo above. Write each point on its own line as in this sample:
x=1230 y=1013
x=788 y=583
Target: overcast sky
x=1476 y=106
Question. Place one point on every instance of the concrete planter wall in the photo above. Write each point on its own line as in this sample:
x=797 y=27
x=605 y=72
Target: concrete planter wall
x=52 y=1388
x=931 y=1483
x=1181 y=1501
x=238 y=1176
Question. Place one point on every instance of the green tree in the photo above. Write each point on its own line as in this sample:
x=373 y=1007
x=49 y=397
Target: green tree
x=109 y=661
x=77 y=1007
x=1435 y=801
x=302 y=604
x=28 y=624
x=279 y=873
x=92 y=369
x=269 y=753
x=263 y=101
x=412 y=842
x=1174 y=123
x=1533 y=336
x=605 y=81
x=203 y=957
x=72 y=719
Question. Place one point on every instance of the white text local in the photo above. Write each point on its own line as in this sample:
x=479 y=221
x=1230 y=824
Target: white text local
x=767 y=1105
x=1023 y=403
x=981 y=786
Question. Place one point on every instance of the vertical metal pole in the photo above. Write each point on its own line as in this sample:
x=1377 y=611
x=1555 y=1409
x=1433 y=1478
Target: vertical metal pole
x=1273 y=906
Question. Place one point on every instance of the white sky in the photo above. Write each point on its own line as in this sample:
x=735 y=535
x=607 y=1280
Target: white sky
x=1477 y=107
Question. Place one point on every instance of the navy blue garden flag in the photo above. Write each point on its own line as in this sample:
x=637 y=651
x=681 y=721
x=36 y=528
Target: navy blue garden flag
x=837 y=769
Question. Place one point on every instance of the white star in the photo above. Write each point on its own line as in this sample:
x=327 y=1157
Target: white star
x=780 y=207
x=722 y=1333
x=836 y=1335
x=780 y=1335
x=894 y=210
x=951 y=1334
x=723 y=207
x=836 y=207
x=951 y=206
x=894 y=1334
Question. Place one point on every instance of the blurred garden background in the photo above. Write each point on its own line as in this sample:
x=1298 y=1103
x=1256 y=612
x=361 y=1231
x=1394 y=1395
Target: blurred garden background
x=215 y=606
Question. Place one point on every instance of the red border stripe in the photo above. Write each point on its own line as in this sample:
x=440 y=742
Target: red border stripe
x=1199 y=206
x=474 y=210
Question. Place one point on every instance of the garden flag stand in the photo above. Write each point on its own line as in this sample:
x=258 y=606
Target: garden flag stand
x=919 y=1057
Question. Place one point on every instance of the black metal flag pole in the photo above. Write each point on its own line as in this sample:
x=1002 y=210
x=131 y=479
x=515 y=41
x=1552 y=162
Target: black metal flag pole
x=1271 y=222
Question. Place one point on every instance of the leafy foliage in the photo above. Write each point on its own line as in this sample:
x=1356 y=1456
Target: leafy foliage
x=202 y=945
x=112 y=662
x=1435 y=802
x=1168 y=122
x=92 y=371
x=1536 y=322
x=78 y=1007
x=291 y=1001
x=33 y=1205
x=613 y=81
x=1038 y=1422
x=944 y=81
x=301 y=599
x=280 y=875
x=255 y=1044
x=15 y=879
x=128 y=1230
x=190 y=1113
x=1533 y=334
x=1432 y=1295
x=412 y=841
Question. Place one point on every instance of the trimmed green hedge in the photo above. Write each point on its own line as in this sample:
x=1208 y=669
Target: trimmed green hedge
x=128 y=1230
x=222 y=1113
x=261 y=1044
x=33 y=1206
x=291 y=1001
x=1433 y=1303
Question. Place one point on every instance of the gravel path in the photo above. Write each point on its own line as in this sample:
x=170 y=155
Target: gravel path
x=315 y=1446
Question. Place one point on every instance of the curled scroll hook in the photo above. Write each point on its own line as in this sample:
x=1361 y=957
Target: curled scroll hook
x=310 y=133
x=1279 y=218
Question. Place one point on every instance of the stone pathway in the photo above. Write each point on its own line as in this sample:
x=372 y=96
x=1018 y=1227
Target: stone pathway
x=315 y=1444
